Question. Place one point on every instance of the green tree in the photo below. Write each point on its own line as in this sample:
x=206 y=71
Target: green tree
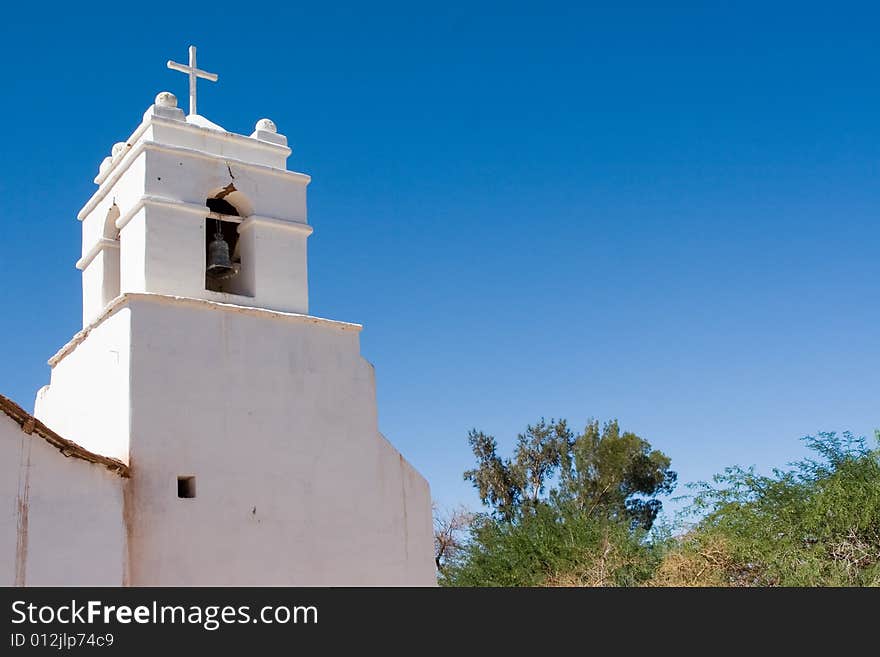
x=509 y=485
x=602 y=473
x=816 y=523
x=552 y=546
x=615 y=475
x=565 y=509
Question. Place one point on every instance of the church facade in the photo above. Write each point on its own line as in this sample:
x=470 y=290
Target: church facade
x=202 y=428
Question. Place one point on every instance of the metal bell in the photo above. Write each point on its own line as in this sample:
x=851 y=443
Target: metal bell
x=219 y=263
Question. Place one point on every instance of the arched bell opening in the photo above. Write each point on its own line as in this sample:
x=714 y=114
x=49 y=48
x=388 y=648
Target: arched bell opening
x=222 y=252
x=110 y=231
x=110 y=254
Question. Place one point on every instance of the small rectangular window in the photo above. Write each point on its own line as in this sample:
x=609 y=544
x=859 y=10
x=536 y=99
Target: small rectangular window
x=186 y=487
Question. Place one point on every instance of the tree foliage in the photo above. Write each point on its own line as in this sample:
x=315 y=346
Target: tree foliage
x=564 y=509
x=615 y=475
x=816 y=523
x=576 y=510
x=553 y=546
x=507 y=485
x=603 y=473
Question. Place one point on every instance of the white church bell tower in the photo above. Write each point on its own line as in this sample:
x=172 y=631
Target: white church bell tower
x=248 y=426
x=177 y=183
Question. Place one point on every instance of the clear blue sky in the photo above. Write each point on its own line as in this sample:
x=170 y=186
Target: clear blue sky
x=668 y=216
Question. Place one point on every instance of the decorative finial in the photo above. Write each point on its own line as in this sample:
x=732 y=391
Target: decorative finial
x=267 y=131
x=166 y=99
x=119 y=148
x=266 y=124
x=193 y=73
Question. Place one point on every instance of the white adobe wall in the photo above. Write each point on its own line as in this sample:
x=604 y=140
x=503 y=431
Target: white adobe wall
x=61 y=522
x=275 y=416
x=87 y=399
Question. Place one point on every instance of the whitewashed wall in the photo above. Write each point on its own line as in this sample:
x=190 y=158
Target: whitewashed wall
x=276 y=418
x=61 y=522
x=87 y=399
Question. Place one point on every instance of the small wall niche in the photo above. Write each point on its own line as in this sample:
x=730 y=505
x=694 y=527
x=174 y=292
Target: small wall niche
x=186 y=486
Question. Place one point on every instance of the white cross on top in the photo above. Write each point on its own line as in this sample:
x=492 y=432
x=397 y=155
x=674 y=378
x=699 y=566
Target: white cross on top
x=193 y=73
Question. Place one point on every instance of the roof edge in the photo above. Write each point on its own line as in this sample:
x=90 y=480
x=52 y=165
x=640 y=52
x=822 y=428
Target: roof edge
x=31 y=425
x=123 y=299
